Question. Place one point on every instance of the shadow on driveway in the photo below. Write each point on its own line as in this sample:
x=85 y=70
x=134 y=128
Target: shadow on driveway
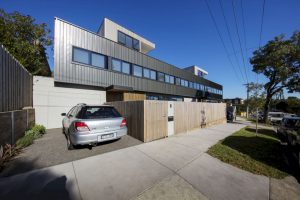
x=51 y=150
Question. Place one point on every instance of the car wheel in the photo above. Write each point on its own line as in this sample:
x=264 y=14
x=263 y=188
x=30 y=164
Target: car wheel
x=69 y=143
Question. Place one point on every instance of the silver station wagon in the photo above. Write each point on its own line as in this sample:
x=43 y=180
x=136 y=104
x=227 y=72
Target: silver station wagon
x=90 y=124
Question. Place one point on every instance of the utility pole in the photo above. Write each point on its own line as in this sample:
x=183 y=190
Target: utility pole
x=247 y=112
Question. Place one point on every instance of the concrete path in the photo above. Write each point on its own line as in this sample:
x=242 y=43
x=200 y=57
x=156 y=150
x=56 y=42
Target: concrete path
x=171 y=168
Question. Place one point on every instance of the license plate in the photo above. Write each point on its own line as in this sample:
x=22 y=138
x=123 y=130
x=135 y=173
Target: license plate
x=107 y=136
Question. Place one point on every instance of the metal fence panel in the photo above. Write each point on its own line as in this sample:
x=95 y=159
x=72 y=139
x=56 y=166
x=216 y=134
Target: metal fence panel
x=15 y=83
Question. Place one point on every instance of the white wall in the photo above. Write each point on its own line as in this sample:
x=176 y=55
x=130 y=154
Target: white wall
x=111 y=32
x=49 y=101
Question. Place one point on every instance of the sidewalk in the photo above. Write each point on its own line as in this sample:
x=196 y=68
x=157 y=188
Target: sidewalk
x=171 y=168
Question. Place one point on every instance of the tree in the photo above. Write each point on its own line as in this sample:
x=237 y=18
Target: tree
x=279 y=61
x=256 y=96
x=26 y=41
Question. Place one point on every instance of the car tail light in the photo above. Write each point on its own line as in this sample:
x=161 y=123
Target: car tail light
x=123 y=123
x=81 y=126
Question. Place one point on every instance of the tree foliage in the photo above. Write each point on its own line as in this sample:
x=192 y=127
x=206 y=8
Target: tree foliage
x=279 y=61
x=257 y=96
x=26 y=41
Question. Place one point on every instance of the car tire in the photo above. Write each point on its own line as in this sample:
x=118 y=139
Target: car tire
x=69 y=143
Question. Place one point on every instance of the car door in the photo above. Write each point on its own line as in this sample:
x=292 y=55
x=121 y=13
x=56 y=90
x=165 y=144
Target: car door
x=68 y=118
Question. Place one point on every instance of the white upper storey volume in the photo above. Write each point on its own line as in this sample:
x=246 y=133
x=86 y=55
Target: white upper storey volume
x=117 y=33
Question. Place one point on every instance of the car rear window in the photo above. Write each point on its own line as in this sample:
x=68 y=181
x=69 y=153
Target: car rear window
x=98 y=112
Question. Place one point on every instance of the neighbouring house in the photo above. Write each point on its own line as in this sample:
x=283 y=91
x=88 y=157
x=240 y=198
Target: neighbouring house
x=112 y=65
x=235 y=101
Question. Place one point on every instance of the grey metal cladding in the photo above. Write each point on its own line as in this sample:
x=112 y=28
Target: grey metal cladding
x=15 y=83
x=68 y=35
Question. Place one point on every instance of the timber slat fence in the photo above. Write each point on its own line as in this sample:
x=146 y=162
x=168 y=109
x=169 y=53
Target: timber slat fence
x=148 y=120
x=15 y=83
x=16 y=114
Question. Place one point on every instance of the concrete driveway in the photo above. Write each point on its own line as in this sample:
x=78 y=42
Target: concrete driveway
x=171 y=168
x=51 y=150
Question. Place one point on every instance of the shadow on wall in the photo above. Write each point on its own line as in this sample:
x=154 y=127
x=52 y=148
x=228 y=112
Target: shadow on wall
x=265 y=150
x=42 y=184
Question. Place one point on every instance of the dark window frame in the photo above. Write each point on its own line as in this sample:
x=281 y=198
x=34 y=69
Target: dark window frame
x=90 y=58
x=142 y=70
x=121 y=62
x=133 y=40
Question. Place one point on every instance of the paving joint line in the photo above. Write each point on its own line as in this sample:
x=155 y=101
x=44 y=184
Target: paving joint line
x=76 y=180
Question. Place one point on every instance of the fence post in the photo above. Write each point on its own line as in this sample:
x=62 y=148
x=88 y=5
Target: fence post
x=12 y=128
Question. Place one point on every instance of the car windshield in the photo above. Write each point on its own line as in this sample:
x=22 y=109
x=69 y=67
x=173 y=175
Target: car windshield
x=293 y=123
x=98 y=112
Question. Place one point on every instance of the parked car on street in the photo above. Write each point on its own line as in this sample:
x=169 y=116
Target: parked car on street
x=275 y=117
x=91 y=124
x=289 y=131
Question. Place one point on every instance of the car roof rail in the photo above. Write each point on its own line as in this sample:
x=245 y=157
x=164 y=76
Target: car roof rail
x=81 y=104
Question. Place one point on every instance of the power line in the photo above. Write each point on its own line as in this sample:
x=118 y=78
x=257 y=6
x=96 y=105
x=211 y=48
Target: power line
x=238 y=34
x=230 y=38
x=262 y=22
x=220 y=36
x=244 y=29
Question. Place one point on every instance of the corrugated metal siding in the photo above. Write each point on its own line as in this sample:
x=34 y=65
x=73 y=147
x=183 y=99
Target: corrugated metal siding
x=15 y=83
x=68 y=35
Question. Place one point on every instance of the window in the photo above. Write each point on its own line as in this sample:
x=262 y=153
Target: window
x=146 y=73
x=172 y=79
x=128 y=41
x=121 y=37
x=125 y=67
x=167 y=78
x=177 y=81
x=153 y=74
x=160 y=76
x=80 y=55
x=186 y=83
x=98 y=60
x=191 y=85
x=88 y=57
x=99 y=112
x=116 y=65
x=136 y=44
x=182 y=82
x=137 y=71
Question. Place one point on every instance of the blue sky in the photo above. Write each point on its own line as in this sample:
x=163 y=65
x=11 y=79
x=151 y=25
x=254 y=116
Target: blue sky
x=183 y=31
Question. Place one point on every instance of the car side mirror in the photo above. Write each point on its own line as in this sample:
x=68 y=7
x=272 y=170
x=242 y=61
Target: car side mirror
x=63 y=114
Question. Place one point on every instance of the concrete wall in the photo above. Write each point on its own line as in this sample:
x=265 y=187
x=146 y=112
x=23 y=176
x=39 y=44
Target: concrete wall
x=50 y=101
x=14 y=124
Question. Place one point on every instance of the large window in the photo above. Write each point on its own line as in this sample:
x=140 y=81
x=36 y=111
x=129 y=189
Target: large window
x=88 y=57
x=160 y=76
x=137 y=71
x=177 y=81
x=186 y=83
x=116 y=65
x=172 y=79
x=128 y=41
x=98 y=60
x=153 y=74
x=182 y=82
x=146 y=73
x=120 y=66
x=125 y=67
x=167 y=78
x=80 y=55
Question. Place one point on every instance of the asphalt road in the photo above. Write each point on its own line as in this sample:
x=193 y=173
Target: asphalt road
x=51 y=150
